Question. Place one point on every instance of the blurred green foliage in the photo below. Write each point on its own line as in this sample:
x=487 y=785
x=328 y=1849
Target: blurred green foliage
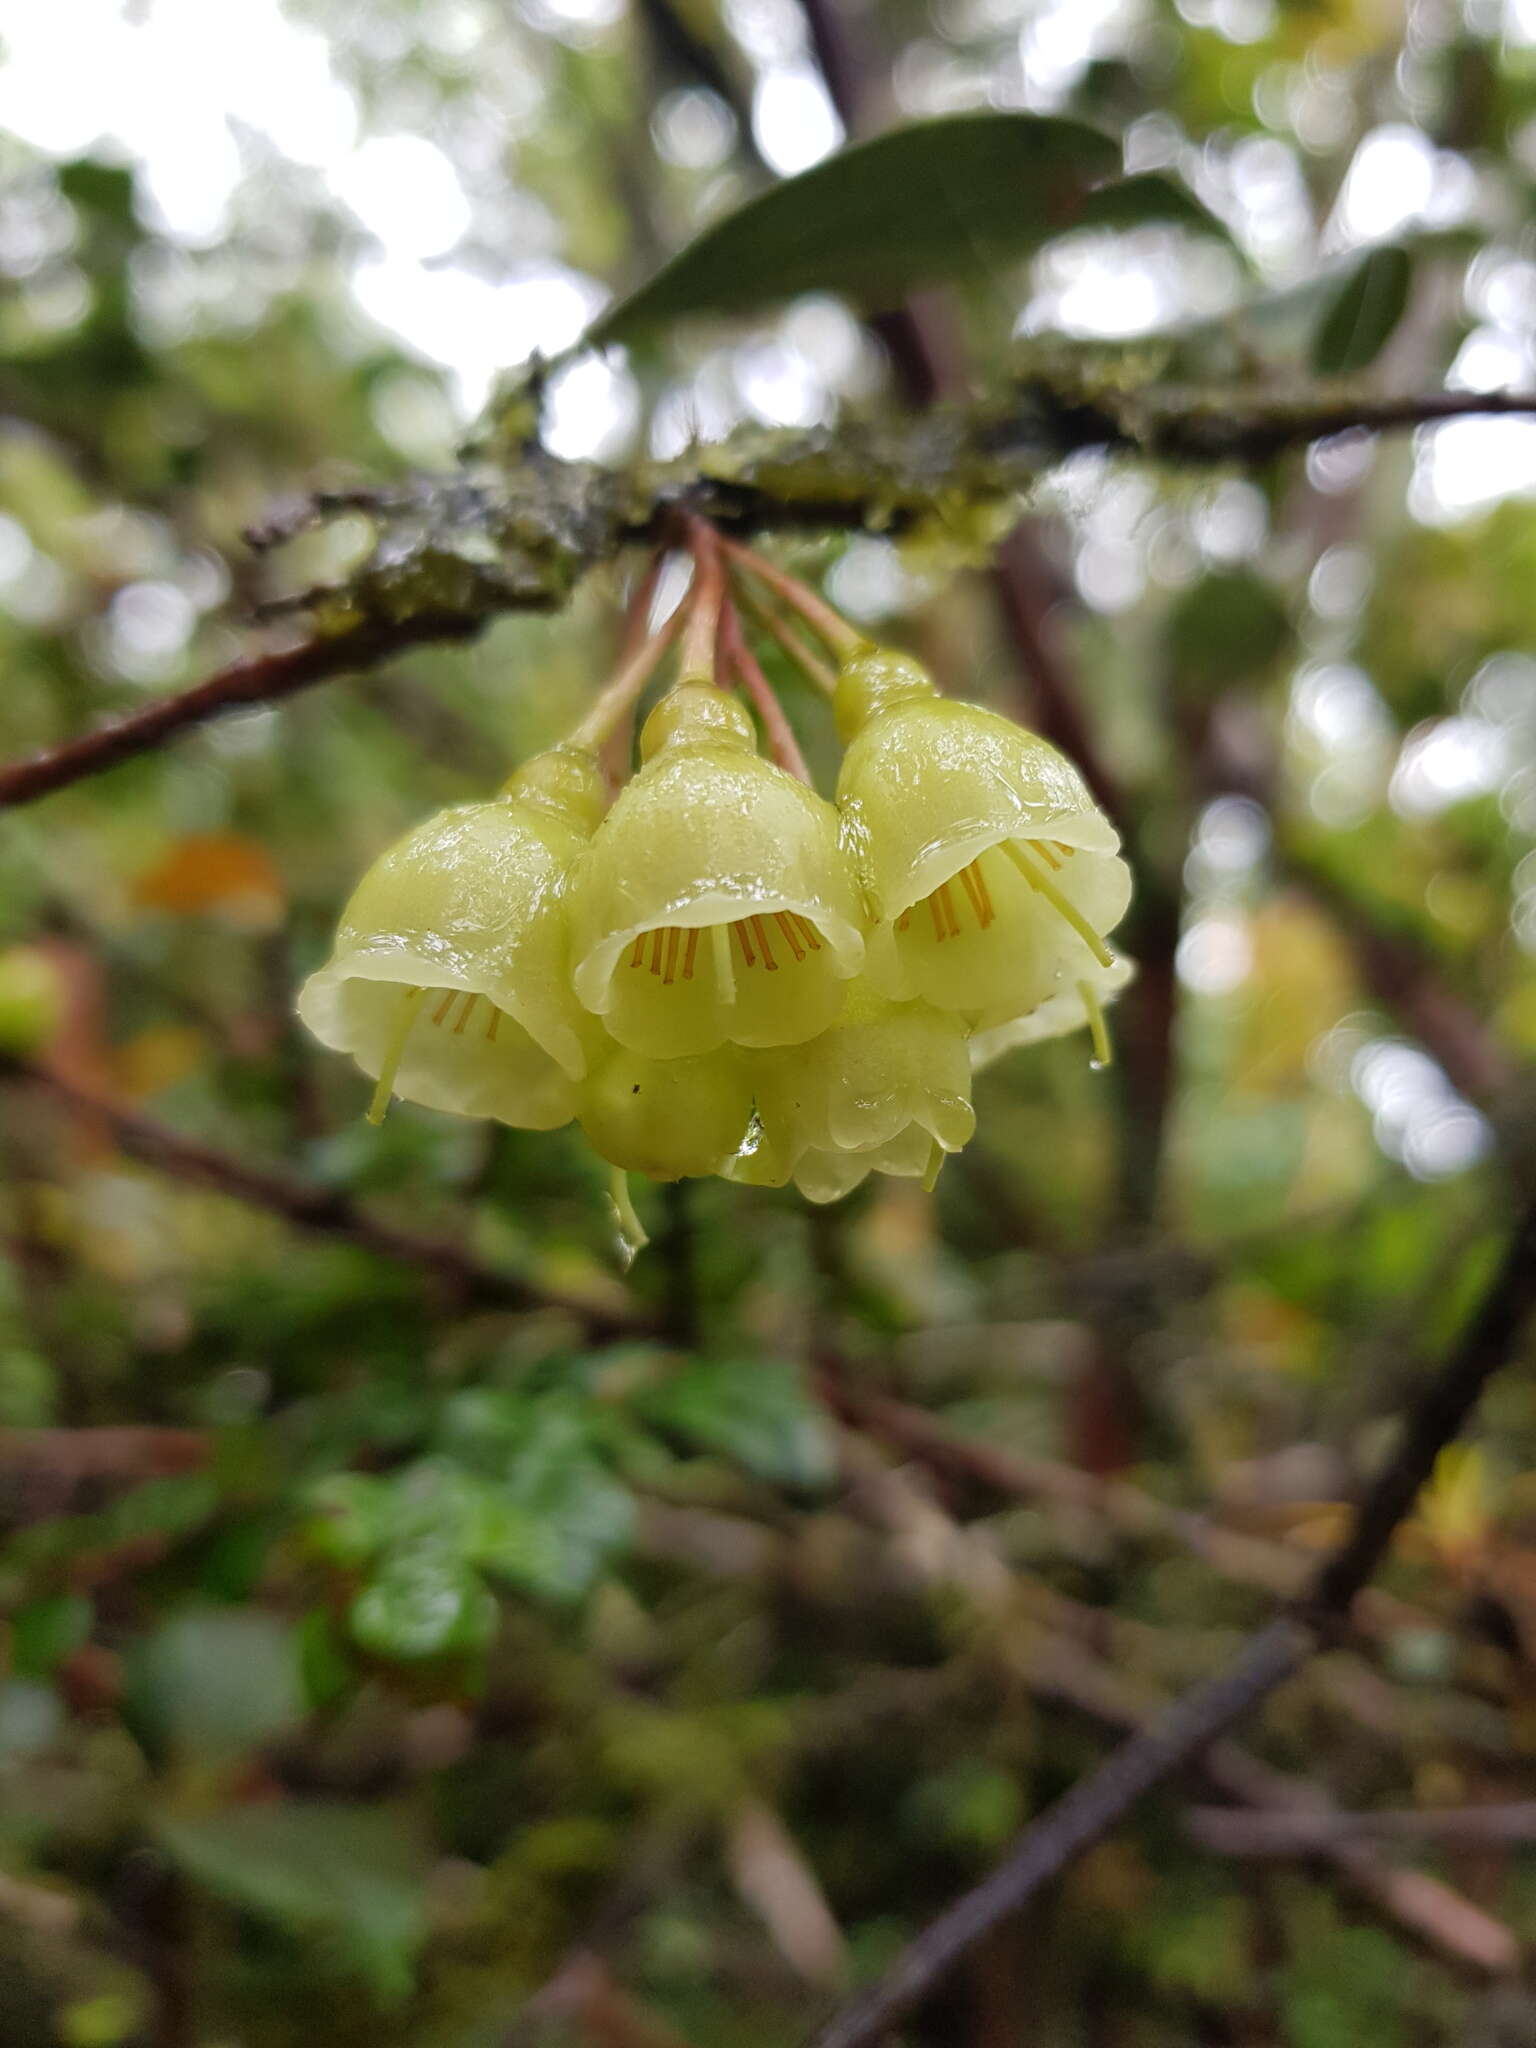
x=377 y=1663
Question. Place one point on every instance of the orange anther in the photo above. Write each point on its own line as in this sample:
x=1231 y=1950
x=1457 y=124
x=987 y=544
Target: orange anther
x=761 y=935
x=786 y=925
x=689 y=950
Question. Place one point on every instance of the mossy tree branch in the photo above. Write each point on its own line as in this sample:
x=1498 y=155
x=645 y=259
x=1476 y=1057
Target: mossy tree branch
x=452 y=553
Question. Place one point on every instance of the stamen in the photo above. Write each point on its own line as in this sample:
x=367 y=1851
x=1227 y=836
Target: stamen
x=1062 y=848
x=638 y=956
x=1103 y=1050
x=740 y=929
x=1043 y=849
x=769 y=962
x=786 y=925
x=976 y=889
x=674 y=940
x=1038 y=879
x=808 y=932
x=904 y=920
x=938 y=917
x=445 y=1006
x=689 y=950
x=458 y=1029
x=725 y=977
x=988 y=914
x=946 y=904
x=656 y=950
x=494 y=1026
x=394 y=1051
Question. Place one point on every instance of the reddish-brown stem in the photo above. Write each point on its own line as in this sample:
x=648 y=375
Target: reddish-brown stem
x=795 y=645
x=782 y=744
x=615 y=753
x=697 y=661
x=608 y=708
x=842 y=638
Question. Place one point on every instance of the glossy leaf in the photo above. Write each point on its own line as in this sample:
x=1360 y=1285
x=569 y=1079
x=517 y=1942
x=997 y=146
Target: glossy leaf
x=1363 y=313
x=945 y=198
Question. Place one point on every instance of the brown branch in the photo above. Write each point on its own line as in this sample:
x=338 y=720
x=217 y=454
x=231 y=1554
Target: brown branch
x=547 y=523
x=324 y=1210
x=1070 y=1652
x=1097 y=1804
x=257 y=679
x=1274 y=1567
x=1310 y=1834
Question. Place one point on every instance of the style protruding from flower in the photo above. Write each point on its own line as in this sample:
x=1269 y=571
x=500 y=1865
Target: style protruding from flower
x=715 y=904
x=449 y=983
x=707 y=965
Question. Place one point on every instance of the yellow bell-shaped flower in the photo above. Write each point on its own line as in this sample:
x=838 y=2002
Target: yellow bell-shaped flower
x=1073 y=1008
x=882 y=1070
x=715 y=904
x=993 y=875
x=449 y=980
x=885 y=1090
x=666 y=1118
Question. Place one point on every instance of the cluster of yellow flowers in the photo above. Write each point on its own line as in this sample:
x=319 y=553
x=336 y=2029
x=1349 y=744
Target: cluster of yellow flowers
x=721 y=972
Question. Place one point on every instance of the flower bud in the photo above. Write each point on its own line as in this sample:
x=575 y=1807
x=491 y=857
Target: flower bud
x=666 y=1118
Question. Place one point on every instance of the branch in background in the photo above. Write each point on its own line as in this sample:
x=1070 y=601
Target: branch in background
x=258 y=679
x=1274 y=1567
x=680 y=45
x=458 y=551
x=1066 y=1651
x=323 y=1210
x=1313 y=1834
x=1406 y=981
x=1097 y=1804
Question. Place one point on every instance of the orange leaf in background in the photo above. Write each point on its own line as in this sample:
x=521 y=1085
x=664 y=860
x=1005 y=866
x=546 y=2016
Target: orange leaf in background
x=216 y=874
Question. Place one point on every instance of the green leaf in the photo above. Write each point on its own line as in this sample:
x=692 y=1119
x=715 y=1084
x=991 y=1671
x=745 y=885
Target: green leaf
x=423 y=1603
x=44 y=1632
x=945 y=198
x=352 y=1874
x=758 y=1413
x=216 y=1682
x=1229 y=626
x=1149 y=198
x=1363 y=313
x=582 y=1511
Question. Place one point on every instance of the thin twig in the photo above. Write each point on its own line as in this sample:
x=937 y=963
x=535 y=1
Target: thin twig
x=1097 y=1804
x=321 y=1209
x=1230 y=1833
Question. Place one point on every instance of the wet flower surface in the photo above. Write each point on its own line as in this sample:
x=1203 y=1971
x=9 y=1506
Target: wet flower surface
x=717 y=970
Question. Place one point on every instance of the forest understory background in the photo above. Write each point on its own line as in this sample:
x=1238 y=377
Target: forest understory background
x=415 y=1626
